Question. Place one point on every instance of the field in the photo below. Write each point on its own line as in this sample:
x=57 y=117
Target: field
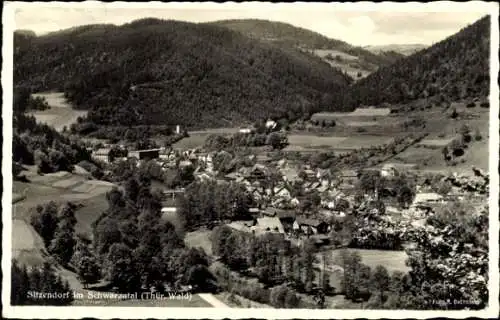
x=435 y=142
x=361 y=123
x=392 y=260
x=26 y=243
x=199 y=238
x=60 y=114
x=197 y=138
x=309 y=142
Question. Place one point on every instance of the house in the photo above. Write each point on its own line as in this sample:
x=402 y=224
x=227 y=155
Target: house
x=257 y=172
x=245 y=130
x=426 y=198
x=268 y=224
x=348 y=174
x=271 y=124
x=388 y=170
x=262 y=158
x=145 y=154
x=310 y=173
x=185 y=164
x=313 y=185
x=287 y=217
x=310 y=226
x=169 y=208
x=282 y=192
x=101 y=154
x=254 y=211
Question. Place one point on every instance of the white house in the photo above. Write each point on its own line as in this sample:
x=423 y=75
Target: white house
x=388 y=170
x=271 y=124
x=427 y=197
x=245 y=130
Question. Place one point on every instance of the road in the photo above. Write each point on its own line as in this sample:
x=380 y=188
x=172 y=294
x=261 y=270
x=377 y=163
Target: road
x=210 y=298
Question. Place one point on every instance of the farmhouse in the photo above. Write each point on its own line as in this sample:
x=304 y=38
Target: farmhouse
x=310 y=226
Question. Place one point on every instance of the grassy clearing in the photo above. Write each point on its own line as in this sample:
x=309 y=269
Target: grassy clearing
x=191 y=142
x=92 y=209
x=361 y=123
x=199 y=238
x=364 y=141
x=392 y=260
x=308 y=141
x=435 y=142
x=60 y=114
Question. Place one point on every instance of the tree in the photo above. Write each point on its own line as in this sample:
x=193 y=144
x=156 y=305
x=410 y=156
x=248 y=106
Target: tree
x=38 y=279
x=88 y=270
x=278 y=296
x=120 y=268
x=355 y=276
x=44 y=221
x=381 y=280
x=276 y=140
x=451 y=231
x=63 y=243
x=200 y=278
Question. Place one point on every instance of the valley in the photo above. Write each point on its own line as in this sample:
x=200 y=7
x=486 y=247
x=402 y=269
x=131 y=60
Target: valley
x=250 y=163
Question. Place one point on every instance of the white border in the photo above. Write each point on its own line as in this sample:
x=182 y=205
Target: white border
x=215 y=313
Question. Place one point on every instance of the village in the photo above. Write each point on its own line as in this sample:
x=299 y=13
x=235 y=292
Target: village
x=301 y=202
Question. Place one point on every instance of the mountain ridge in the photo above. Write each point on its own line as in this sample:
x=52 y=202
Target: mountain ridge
x=150 y=70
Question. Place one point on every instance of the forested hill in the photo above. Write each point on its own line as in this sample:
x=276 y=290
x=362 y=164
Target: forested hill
x=289 y=35
x=453 y=69
x=169 y=72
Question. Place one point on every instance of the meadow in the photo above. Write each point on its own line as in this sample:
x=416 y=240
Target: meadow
x=60 y=114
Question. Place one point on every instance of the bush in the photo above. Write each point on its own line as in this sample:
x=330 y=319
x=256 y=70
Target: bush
x=485 y=104
x=477 y=135
x=471 y=105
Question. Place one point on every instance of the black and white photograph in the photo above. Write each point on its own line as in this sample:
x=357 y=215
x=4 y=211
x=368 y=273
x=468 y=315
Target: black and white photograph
x=265 y=160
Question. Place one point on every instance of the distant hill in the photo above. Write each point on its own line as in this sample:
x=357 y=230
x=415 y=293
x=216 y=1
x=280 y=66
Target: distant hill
x=454 y=69
x=157 y=72
x=403 y=49
x=348 y=58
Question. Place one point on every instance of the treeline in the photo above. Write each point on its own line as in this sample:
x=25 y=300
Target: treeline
x=289 y=35
x=453 y=69
x=23 y=101
x=130 y=133
x=276 y=140
x=150 y=71
x=28 y=284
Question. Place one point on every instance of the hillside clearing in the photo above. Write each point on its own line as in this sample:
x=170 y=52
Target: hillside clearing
x=60 y=114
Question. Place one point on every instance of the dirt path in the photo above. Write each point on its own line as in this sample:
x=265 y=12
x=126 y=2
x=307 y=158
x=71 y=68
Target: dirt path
x=211 y=299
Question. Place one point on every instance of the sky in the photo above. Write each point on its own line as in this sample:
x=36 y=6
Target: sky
x=359 y=26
